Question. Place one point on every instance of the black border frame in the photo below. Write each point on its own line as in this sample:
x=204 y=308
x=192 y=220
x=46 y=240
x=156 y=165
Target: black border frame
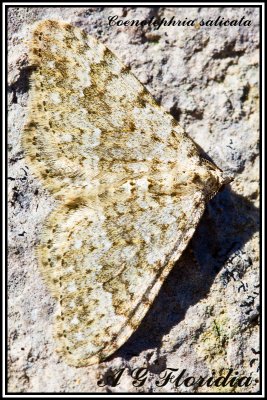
x=68 y=4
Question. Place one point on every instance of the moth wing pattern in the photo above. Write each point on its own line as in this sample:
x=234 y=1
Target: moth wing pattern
x=131 y=187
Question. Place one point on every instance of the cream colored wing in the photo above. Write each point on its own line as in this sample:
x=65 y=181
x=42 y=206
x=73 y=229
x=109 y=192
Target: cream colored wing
x=105 y=260
x=132 y=188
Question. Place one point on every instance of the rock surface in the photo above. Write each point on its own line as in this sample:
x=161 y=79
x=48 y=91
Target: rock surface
x=205 y=319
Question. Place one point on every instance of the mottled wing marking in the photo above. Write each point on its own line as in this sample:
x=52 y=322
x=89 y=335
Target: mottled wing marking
x=131 y=183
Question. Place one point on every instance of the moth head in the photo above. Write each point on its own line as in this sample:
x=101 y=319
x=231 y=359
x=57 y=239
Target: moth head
x=212 y=178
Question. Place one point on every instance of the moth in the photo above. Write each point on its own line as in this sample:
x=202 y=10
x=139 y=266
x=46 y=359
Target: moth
x=131 y=188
